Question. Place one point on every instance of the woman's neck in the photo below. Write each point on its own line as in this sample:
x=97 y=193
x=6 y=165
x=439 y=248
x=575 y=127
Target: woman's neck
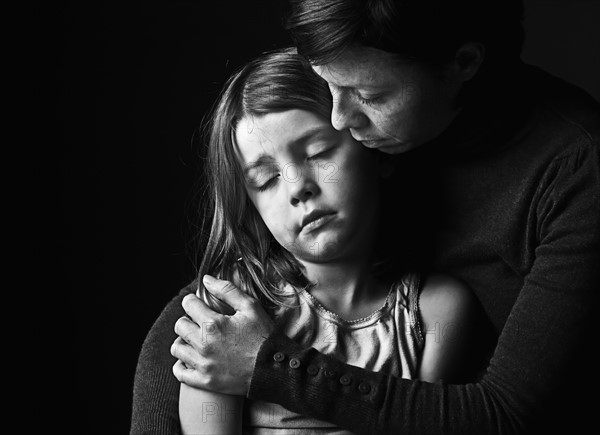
x=346 y=288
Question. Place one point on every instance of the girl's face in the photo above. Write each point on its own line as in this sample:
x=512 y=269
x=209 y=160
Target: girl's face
x=314 y=187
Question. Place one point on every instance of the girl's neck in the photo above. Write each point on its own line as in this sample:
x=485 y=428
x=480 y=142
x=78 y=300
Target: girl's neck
x=346 y=288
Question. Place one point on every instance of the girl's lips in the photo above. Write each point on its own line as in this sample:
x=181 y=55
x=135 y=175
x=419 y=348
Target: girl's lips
x=312 y=222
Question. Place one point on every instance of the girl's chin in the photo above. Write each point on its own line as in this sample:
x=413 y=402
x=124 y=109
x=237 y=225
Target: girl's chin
x=317 y=253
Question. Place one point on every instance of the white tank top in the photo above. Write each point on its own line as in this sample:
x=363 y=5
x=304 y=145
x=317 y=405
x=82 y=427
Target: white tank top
x=389 y=340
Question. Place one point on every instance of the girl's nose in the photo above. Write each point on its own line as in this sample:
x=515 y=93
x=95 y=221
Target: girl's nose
x=301 y=185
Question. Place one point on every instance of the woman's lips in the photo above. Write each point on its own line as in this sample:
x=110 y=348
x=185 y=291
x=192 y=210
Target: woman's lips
x=371 y=143
x=385 y=145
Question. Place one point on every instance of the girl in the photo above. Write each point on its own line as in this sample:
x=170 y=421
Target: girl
x=297 y=223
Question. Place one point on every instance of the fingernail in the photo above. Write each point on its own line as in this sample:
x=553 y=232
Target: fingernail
x=207 y=279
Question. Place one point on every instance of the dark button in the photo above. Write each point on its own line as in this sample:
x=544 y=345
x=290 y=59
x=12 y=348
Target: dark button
x=279 y=356
x=312 y=370
x=330 y=373
x=346 y=380
x=364 y=388
x=294 y=363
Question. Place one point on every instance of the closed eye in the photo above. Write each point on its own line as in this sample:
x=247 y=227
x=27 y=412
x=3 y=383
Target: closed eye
x=368 y=101
x=268 y=184
x=321 y=154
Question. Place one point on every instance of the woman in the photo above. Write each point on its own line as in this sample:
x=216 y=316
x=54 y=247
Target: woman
x=504 y=182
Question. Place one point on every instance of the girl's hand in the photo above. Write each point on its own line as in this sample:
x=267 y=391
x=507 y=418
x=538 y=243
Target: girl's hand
x=217 y=352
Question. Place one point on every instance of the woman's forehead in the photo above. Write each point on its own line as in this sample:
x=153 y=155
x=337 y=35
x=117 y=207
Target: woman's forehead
x=358 y=68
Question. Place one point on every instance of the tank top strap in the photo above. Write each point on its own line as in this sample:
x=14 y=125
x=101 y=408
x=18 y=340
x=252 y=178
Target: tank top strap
x=409 y=293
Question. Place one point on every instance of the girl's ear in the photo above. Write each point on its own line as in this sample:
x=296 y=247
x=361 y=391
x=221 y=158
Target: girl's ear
x=385 y=164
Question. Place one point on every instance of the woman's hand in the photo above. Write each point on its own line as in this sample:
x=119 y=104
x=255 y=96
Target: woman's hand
x=217 y=352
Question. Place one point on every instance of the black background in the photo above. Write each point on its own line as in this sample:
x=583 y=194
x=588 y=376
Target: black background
x=134 y=82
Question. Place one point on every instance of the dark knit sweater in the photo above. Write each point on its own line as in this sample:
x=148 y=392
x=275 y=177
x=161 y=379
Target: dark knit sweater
x=508 y=200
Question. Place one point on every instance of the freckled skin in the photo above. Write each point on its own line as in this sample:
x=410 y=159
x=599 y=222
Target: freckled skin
x=386 y=103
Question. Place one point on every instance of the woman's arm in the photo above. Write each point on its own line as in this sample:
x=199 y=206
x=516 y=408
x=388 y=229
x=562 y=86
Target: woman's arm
x=159 y=400
x=155 y=389
x=205 y=412
x=447 y=309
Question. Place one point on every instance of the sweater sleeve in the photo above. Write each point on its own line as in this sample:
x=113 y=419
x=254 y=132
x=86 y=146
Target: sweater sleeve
x=156 y=390
x=534 y=359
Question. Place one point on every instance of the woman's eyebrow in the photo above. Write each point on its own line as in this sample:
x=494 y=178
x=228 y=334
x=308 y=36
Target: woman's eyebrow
x=363 y=84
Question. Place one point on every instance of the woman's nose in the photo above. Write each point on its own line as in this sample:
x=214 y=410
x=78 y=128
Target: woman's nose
x=345 y=114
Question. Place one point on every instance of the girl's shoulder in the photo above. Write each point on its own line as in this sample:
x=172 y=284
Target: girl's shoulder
x=444 y=299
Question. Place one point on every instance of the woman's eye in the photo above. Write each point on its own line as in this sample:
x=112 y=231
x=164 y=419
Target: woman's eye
x=369 y=101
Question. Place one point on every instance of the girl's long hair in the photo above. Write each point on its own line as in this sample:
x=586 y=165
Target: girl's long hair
x=239 y=247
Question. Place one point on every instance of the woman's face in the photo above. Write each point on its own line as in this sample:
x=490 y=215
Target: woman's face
x=315 y=188
x=385 y=103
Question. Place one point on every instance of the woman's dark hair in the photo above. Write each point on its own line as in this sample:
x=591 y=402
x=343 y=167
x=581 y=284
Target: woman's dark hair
x=428 y=31
x=239 y=247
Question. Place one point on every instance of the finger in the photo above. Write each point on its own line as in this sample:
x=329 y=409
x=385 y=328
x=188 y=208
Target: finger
x=227 y=292
x=186 y=375
x=184 y=352
x=198 y=310
x=188 y=330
